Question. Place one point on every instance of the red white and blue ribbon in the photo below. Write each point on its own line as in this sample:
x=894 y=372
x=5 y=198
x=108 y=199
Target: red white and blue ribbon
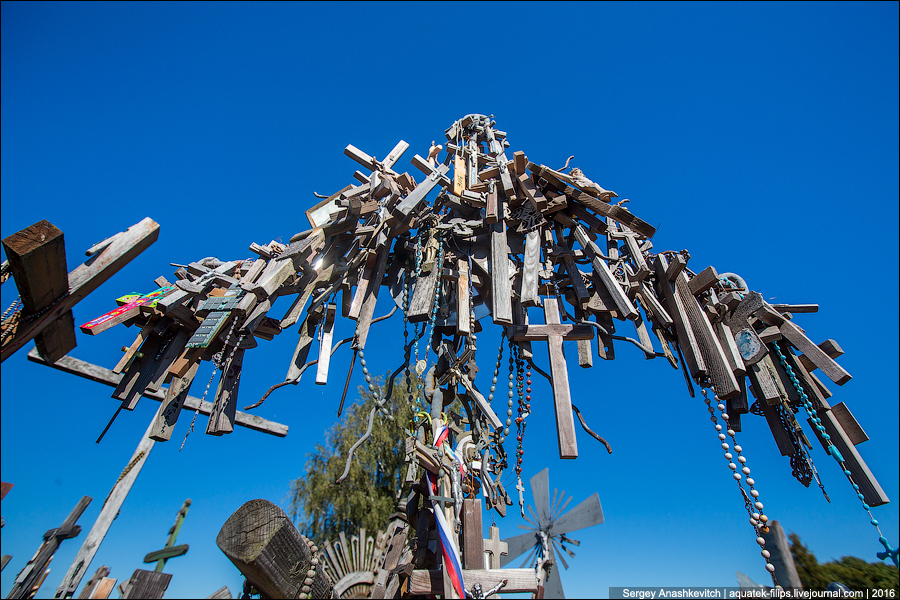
x=448 y=546
x=442 y=434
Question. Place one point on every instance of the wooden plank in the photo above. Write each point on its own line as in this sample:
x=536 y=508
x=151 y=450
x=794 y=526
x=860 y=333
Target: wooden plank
x=562 y=401
x=142 y=369
x=85 y=278
x=781 y=437
x=687 y=339
x=849 y=424
x=472 y=532
x=102 y=375
x=703 y=281
x=491 y=210
x=423 y=296
x=36 y=257
x=166 y=553
x=171 y=406
x=424 y=582
x=623 y=304
x=766 y=383
x=133 y=348
x=368 y=308
x=325 y=345
x=463 y=310
x=802 y=343
x=781 y=557
x=616 y=213
x=829 y=347
x=104 y=588
x=459 y=175
x=146 y=584
x=869 y=487
x=301 y=351
x=365 y=279
x=803 y=379
x=500 y=289
x=528 y=294
x=221 y=419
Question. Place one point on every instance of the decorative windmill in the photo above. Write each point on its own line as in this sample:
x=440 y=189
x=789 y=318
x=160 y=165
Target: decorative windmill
x=547 y=539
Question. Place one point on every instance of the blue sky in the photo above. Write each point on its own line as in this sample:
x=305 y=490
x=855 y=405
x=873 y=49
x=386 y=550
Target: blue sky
x=761 y=137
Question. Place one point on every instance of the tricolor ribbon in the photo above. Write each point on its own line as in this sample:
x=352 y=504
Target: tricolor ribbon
x=442 y=435
x=448 y=547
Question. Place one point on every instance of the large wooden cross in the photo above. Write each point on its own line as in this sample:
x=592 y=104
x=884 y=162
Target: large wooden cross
x=34 y=570
x=554 y=333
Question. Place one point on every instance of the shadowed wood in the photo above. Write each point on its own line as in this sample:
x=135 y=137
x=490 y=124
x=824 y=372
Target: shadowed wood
x=85 y=278
x=33 y=572
x=849 y=424
x=221 y=419
x=102 y=375
x=781 y=558
x=869 y=487
x=815 y=354
x=146 y=584
x=171 y=406
x=472 y=544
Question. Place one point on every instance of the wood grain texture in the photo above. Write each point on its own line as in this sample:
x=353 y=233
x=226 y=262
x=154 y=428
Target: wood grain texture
x=687 y=340
x=849 y=424
x=84 y=279
x=423 y=296
x=260 y=540
x=869 y=487
x=562 y=400
x=221 y=419
x=528 y=294
x=171 y=406
x=325 y=345
x=463 y=312
x=500 y=288
x=472 y=535
x=815 y=354
x=368 y=307
x=146 y=584
x=103 y=375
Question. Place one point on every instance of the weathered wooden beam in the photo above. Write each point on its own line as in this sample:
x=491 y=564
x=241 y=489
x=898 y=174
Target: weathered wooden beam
x=501 y=300
x=424 y=582
x=85 y=278
x=103 y=375
x=260 y=540
x=148 y=585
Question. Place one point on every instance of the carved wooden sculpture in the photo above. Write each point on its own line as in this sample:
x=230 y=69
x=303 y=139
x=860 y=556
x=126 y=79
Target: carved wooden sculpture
x=457 y=251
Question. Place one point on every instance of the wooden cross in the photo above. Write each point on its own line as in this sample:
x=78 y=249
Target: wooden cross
x=553 y=332
x=34 y=570
x=494 y=547
x=121 y=488
x=170 y=550
x=37 y=263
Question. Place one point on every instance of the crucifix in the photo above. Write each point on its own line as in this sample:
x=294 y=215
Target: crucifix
x=554 y=333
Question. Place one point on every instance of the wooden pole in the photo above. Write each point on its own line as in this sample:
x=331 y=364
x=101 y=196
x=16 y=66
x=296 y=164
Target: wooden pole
x=109 y=511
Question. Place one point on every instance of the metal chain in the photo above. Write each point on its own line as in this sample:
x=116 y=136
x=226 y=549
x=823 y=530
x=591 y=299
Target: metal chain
x=217 y=365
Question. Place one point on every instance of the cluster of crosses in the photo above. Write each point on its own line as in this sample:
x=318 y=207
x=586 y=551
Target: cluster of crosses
x=500 y=236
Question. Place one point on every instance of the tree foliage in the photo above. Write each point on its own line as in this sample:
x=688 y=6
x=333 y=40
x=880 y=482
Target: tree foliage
x=368 y=496
x=853 y=572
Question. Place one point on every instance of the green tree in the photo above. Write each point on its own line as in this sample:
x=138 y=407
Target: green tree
x=853 y=572
x=368 y=496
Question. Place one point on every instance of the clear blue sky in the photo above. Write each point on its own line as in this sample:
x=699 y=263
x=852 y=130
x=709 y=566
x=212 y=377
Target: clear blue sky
x=762 y=137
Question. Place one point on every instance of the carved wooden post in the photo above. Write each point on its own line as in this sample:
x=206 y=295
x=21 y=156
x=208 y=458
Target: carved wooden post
x=264 y=545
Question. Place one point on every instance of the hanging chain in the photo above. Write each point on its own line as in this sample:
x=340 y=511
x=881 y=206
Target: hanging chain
x=754 y=507
x=833 y=451
x=218 y=363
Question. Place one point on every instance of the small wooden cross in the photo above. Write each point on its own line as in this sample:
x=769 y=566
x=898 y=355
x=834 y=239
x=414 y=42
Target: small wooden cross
x=494 y=547
x=170 y=550
x=554 y=333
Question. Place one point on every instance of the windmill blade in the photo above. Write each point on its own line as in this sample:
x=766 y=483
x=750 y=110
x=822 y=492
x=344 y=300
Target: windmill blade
x=530 y=559
x=555 y=500
x=540 y=489
x=526 y=527
x=553 y=585
x=568 y=551
x=542 y=524
x=516 y=546
x=559 y=555
x=586 y=514
x=554 y=512
x=534 y=522
x=562 y=508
